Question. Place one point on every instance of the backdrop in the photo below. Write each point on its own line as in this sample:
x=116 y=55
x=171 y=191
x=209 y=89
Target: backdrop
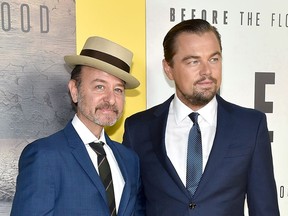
x=34 y=102
x=35 y=36
x=255 y=61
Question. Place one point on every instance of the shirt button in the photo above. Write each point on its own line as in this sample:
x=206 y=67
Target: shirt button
x=192 y=205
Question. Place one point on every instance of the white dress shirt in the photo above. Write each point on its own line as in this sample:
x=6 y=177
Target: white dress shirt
x=177 y=132
x=87 y=137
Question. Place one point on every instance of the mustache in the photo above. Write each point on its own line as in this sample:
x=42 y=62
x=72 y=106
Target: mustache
x=107 y=106
x=206 y=78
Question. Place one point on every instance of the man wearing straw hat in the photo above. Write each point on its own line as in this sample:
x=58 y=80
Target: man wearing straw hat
x=80 y=170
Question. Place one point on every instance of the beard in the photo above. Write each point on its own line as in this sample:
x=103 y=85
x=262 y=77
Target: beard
x=199 y=97
x=105 y=119
x=96 y=115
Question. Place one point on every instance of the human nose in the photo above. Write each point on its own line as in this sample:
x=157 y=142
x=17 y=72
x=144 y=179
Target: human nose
x=110 y=96
x=205 y=69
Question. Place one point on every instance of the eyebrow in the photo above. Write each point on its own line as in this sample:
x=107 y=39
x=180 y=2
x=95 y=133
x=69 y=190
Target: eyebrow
x=121 y=82
x=98 y=80
x=198 y=57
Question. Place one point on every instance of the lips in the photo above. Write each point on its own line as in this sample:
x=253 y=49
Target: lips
x=206 y=81
x=107 y=109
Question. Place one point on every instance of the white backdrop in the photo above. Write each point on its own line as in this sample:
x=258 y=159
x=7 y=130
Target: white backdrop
x=255 y=61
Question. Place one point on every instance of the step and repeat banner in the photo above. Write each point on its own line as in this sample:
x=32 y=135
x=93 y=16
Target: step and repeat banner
x=255 y=61
x=34 y=37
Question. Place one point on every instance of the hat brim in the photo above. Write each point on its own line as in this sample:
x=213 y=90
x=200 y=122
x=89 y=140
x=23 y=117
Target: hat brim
x=130 y=81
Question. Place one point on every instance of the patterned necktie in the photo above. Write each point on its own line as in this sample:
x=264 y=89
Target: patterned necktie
x=105 y=174
x=194 y=155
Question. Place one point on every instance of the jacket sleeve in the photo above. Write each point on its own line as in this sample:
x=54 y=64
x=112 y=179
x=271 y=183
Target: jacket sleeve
x=140 y=206
x=35 y=192
x=261 y=191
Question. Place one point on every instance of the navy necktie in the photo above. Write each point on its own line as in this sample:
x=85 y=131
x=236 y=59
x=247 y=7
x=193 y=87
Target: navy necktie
x=105 y=174
x=194 y=155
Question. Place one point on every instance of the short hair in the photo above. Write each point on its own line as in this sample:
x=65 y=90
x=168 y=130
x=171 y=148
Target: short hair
x=196 y=26
x=76 y=74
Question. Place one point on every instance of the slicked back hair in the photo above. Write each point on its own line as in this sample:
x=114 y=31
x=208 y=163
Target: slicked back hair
x=195 y=26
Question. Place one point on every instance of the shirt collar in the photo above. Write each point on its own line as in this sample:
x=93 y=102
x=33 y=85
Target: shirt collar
x=207 y=113
x=85 y=134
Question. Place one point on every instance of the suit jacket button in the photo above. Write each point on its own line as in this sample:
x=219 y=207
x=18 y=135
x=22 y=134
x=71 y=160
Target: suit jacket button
x=192 y=205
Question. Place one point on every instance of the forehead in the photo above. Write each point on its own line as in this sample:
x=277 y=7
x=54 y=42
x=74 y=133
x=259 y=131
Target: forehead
x=92 y=74
x=188 y=40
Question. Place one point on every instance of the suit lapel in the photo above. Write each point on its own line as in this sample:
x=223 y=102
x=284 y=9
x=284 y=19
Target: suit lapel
x=218 y=151
x=220 y=144
x=158 y=129
x=127 y=187
x=81 y=155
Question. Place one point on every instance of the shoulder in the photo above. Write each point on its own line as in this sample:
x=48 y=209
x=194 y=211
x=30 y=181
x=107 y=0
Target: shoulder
x=125 y=153
x=46 y=145
x=155 y=111
x=238 y=111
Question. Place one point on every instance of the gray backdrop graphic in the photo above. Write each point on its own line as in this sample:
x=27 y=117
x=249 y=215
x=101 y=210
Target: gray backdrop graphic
x=34 y=100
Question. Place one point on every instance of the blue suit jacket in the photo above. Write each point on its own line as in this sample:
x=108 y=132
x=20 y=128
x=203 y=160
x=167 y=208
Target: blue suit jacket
x=239 y=165
x=56 y=177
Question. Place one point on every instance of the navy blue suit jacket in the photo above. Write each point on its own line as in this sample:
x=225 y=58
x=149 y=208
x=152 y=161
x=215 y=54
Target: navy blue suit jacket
x=239 y=165
x=57 y=177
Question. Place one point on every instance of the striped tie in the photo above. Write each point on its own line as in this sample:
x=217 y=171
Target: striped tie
x=194 y=155
x=105 y=174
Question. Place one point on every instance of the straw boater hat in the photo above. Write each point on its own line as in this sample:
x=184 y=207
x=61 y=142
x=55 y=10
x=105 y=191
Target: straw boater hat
x=107 y=56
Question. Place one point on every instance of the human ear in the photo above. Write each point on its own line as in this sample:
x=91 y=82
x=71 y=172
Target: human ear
x=167 y=69
x=73 y=90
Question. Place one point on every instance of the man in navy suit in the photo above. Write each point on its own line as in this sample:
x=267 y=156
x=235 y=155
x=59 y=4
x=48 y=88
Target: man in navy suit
x=236 y=161
x=58 y=175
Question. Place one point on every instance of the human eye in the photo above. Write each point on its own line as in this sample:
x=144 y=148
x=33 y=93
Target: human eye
x=214 y=60
x=193 y=62
x=99 y=87
x=119 y=91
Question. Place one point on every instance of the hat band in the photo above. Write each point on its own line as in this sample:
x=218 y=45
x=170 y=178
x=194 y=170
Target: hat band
x=106 y=58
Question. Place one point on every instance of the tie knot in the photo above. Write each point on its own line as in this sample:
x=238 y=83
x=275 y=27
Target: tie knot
x=194 y=117
x=98 y=147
